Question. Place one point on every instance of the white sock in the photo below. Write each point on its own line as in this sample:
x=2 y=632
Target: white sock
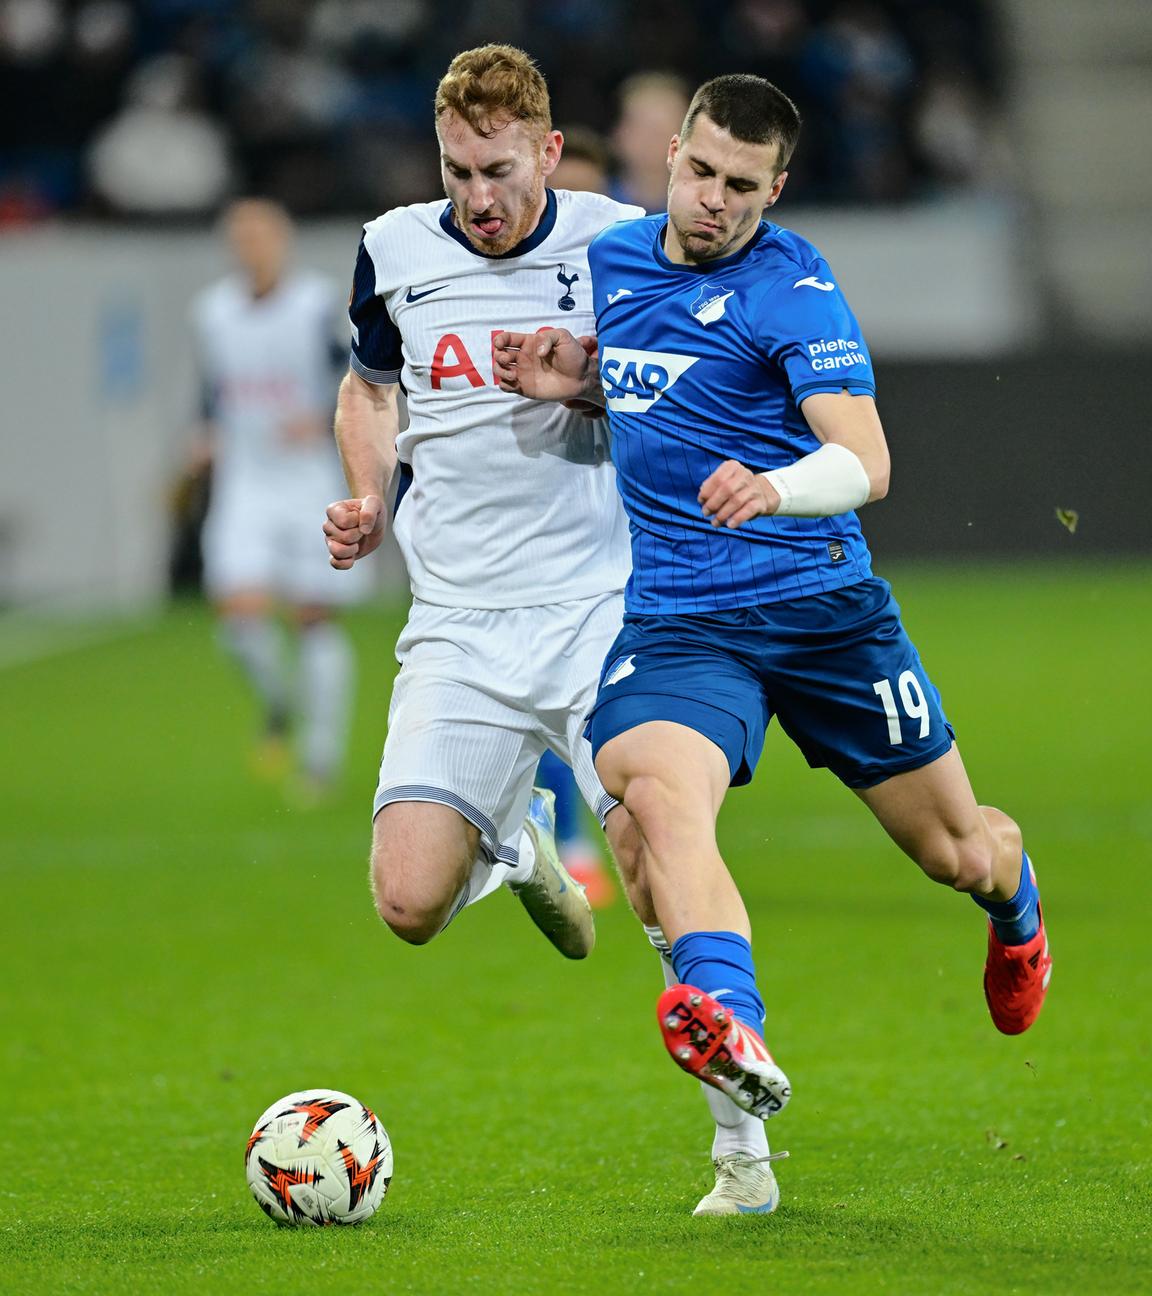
x=519 y=873
x=327 y=672
x=736 y=1129
x=487 y=877
x=256 y=643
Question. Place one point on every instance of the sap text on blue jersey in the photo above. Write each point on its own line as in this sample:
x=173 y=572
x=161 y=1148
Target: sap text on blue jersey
x=635 y=380
x=693 y=377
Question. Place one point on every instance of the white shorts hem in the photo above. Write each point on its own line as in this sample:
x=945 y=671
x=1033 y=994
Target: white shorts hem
x=489 y=838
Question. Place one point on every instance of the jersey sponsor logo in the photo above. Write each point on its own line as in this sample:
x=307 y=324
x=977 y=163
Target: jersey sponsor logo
x=621 y=670
x=709 y=304
x=835 y=353
x=614 y=297
x=567 y=302
x=460 y=365
x=635 y=380
x=452 y=359
x=417 y=296
x=810 y=281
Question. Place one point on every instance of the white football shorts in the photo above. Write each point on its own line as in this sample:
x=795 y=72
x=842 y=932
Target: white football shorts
x=263 y=533
x=480 y=694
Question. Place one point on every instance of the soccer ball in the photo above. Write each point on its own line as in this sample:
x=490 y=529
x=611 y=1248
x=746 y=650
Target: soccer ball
x=318 y=1157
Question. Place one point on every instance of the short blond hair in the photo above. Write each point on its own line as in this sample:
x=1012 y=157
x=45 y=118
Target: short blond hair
x=492 y=84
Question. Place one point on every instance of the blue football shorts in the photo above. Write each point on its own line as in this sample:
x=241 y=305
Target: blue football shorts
x=836 y=669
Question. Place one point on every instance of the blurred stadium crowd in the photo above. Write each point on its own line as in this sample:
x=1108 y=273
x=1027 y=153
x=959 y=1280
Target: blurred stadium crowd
x=160 y=109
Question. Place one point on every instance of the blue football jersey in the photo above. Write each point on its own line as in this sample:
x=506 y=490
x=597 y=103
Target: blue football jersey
x=706 y=363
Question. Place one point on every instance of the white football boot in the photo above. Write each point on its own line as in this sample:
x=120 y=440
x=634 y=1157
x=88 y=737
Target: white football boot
x=744 y=1186
x=555 y=901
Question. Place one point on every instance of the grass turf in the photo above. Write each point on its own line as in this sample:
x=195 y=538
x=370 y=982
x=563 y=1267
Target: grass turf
x=181 y=945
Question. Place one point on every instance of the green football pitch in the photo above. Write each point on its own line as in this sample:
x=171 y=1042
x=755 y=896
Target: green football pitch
x=181 y=945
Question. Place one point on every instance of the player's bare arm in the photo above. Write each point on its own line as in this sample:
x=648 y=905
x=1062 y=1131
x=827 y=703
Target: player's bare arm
x=820 y=484
x=551 y=365
x=367 y=422
x=852 y=421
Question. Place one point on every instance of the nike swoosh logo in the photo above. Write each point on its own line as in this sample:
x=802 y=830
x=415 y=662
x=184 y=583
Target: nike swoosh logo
x=812 y=282
x=415 y=296
x=620 y=292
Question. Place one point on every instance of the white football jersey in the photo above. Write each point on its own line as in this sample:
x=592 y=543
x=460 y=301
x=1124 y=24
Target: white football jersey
x=505 y=502
x=266 y=361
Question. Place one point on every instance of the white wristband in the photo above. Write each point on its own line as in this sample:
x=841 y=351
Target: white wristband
x=828 y=481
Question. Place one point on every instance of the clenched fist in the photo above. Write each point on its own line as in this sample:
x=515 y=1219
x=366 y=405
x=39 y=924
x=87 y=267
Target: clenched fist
x=353 y=528
x=734 y=494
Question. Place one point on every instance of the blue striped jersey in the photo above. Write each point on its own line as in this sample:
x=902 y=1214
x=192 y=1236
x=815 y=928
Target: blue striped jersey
x=706 y=363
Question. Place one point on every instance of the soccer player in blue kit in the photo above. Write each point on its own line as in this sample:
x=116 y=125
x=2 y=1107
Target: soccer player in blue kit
x=745 y=434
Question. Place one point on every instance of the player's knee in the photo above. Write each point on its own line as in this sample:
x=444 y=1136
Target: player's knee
x=669 y=816
x=1008 y=841
x=413 y=929
x=652 y=803
x=962 y=863
x=407 y=914
x=418 y=867
x=415 y=925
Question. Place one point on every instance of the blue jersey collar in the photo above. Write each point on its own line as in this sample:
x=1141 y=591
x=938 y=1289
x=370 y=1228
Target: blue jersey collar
x=705 y=267
x=539 y=234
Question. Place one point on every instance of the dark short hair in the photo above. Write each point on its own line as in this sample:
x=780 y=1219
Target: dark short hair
x=750 y=109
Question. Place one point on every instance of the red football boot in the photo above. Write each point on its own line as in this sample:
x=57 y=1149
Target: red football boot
x=708 y=1042
x=1016 y=980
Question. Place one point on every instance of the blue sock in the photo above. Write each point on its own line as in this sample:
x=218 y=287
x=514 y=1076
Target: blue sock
x=720 y=963
x=1017 y=920
x=554 y=774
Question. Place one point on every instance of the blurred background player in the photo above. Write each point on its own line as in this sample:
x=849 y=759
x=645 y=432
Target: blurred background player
x=268 y=341
x=652 y=108
x=584 y=167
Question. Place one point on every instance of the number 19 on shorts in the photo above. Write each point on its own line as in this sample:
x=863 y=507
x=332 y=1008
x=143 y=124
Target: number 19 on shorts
x=911 y=698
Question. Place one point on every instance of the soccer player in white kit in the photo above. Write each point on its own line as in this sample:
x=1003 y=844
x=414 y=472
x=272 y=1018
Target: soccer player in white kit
x=267 y=341
x=502 y=504
x=515 y=542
